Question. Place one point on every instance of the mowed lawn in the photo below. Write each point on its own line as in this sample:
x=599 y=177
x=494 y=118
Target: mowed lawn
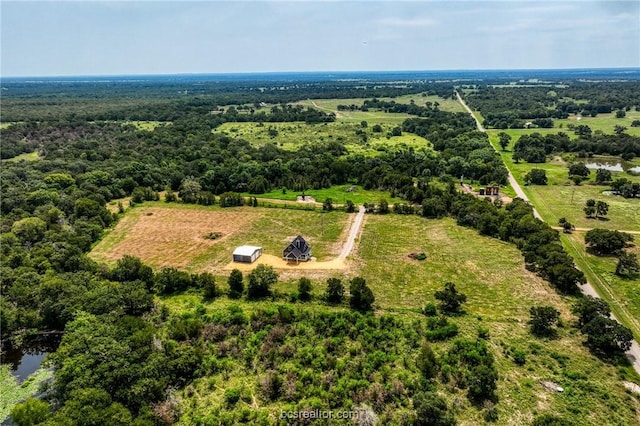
x=168 y=234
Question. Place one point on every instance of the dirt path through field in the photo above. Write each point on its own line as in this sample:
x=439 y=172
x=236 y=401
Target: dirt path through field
x=512 y=180
x=333 y=264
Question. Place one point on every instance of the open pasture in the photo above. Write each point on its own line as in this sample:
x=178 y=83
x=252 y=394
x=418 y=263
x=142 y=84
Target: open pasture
x=292 y=136
x=372 y=117
x=174 y=235
x=562 y=198
x=339 y=194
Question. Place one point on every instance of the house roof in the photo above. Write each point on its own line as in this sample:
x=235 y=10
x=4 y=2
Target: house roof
x=298 y=247
x=246 y=250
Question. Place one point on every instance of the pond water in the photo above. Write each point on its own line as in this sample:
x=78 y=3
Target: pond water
x=24 y=361
x=613 y=164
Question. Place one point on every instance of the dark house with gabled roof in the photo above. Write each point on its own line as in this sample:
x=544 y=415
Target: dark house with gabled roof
x=298 y=250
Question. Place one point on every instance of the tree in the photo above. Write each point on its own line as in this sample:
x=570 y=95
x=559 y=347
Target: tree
x=349 y=206
x=603 y=176
x=605 y=241
x=335 y=291
x=130 y=268
x=579 y=169
x=431 y=410
x=627 y=264
x=450 y=299
x=384 y=207
x=607 y=336
x=536 y=177
x=361 y=295
x=504 y=140
x=602 y=209
x=543 y=319
x=618 y=129
x=260 y=281
x=590 y=208
x=207 y=282
x=29 y=230
x=621 y=113
x=31 y=412
x=327 y=205
x=588 y=308
x=567 y=227
x=427 y=362
x=189 y=189
x=482 y=382
x=236 y=285
x=304 y=289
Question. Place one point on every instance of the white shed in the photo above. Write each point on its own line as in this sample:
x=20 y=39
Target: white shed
x=246 y=254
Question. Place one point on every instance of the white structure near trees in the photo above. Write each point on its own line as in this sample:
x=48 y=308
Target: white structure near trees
x=247 y=254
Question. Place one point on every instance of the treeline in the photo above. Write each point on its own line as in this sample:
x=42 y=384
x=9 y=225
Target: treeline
x=169 y=100
x=513 y=107
x=535 y=147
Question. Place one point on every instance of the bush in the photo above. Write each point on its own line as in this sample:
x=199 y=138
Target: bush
x=430 y=310
x=450 y=299
x=304 y=289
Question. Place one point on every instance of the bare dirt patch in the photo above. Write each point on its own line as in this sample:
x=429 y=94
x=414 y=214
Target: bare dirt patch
x=169 y=236
x=283 y=265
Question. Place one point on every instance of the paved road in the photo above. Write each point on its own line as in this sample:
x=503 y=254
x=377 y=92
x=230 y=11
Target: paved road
x=633 y=354
x=353 y=233
x=512 y=180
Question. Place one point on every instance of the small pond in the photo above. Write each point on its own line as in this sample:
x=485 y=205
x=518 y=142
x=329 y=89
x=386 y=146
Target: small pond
x=25 y=360
x=613 y=164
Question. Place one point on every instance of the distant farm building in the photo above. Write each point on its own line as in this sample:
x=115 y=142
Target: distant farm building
x=492 y=190
x=246 y=254
x=298 y=250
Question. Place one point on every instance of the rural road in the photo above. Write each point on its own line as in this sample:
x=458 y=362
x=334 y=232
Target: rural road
x=512 y=180
x=353 y=233
x=633 y=354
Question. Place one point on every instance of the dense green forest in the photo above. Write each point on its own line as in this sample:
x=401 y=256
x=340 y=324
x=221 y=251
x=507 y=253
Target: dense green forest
x=124 y=355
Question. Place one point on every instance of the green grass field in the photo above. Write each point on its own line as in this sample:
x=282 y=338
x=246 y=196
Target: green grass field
x=499 y=290
x=562 y=198
x=292 y=136
x=27 y=156
x=338 y=194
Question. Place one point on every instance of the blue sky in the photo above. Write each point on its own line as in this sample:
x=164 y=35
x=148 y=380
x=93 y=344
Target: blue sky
x=55 y=38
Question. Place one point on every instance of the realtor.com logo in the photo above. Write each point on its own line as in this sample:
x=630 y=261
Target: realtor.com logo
x=319 y=414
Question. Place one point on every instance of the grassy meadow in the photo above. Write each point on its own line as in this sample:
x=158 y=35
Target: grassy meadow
x=499 y=290
x=27 y=156
x=338 y=194
x=292 y=136
x=562 y=198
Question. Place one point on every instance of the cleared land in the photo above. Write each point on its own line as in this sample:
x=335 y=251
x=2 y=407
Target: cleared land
x=165 y=234
x=339 y=194
x=292 y=136
x=499 y=290
x=27 y=156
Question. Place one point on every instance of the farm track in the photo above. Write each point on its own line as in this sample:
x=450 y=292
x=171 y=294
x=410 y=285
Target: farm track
x=588 y=289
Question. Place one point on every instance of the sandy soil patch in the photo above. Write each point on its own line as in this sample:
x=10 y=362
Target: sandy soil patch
x=280 y=264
